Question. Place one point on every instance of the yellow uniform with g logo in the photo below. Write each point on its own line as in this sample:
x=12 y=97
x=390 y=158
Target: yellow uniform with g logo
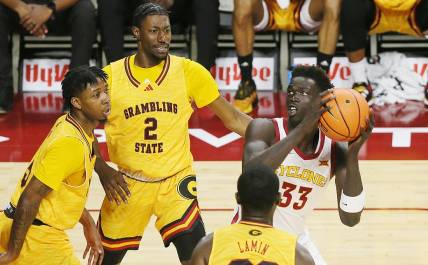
x=248 y=243
x=64 y=162
x=397 y=16
x=147 y=137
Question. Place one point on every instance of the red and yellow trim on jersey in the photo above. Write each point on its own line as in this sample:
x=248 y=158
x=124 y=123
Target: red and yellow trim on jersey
x=73 y=122
x=172 y=230
x=134 y=81
x=126 y=243
x=164 y=71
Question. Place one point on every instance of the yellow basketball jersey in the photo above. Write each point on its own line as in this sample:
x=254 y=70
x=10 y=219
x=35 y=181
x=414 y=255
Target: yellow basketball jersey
x=287 y=19
x=64 y=162
x=397 y=16
x=254 y=243
x=147 y=130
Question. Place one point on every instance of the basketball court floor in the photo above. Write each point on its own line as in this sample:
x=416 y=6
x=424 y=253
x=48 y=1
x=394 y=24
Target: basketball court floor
x=393 y=229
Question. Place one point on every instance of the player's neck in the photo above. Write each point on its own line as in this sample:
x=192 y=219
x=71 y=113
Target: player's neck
x=257 y=219
x=257 y=216
x=87 y=125
x=146 y=61
x=310 y=143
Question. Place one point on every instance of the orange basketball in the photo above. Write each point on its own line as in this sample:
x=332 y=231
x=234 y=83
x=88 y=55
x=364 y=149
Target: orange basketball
x=348 y=112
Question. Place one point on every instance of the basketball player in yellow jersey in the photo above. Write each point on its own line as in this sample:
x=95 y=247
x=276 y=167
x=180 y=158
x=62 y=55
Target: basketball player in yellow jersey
x=253 y=240
x=249 y=16
x=364 y=17
x=152 y=93
x=51 y=195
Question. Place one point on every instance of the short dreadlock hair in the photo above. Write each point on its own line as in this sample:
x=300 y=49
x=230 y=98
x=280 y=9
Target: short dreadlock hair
x=147 y=9
x=314 y=72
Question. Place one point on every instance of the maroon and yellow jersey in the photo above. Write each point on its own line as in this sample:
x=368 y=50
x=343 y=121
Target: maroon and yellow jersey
x=64 y=162
x=397 y=16
x=252 y=243
x=147 y=130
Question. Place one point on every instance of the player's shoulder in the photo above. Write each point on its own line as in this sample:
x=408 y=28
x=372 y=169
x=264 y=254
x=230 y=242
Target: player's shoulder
x=188 y=64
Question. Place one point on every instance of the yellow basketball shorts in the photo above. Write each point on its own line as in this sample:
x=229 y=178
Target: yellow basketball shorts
x=173 y=201
x=402 y=21
x=43 y=245
x=287 y=19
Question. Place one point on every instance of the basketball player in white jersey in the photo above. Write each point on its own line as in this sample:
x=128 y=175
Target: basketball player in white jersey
x=306 y=160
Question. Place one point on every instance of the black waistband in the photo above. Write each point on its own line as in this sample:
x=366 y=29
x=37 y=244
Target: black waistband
x=10 y=213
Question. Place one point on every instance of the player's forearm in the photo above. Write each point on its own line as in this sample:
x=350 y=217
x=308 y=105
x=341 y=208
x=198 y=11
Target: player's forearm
x=24 y=216
x=15 y=5
x=64 y=4
x=240 y=123
x=100 y=163
x=352 y=185
x=86 y=219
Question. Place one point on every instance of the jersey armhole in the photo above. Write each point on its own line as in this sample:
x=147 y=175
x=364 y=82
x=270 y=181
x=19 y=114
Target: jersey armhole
x=276 y=128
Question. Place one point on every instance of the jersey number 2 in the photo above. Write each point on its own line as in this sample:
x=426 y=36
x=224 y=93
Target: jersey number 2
x=287 y=196
x=152 y=125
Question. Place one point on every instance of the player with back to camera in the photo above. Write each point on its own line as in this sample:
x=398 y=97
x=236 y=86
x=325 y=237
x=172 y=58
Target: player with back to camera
x=253 y=240
x=306 y=160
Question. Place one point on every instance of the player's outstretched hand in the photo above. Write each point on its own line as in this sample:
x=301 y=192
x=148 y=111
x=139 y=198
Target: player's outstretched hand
x=6 y=258
x=93 y=246
x=114 y=185
x=355 y=145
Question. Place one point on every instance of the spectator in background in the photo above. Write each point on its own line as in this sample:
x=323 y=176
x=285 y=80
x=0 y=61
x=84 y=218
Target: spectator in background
x=38 y=18
x=364 y=17
x=289 y=15
x=115 y=16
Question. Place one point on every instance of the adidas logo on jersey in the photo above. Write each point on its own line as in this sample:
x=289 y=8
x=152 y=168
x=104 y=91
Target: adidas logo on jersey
x=148 y=88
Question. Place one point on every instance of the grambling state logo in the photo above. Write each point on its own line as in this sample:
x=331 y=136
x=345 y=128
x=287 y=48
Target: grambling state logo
x=255 y=232
x=187 y=187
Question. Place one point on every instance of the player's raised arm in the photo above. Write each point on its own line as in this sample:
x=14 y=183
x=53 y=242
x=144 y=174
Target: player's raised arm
x=201 y=253
x=349 y=187
x=23 y=217
x=260 y=146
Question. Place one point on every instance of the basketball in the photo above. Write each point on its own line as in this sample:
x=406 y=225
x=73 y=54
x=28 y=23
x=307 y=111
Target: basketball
x=348 y=112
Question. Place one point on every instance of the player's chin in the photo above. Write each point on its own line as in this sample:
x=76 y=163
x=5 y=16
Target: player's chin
x=162 y=55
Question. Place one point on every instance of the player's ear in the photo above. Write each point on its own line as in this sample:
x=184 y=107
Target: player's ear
x=136 y=32
x=238 y=200
x=75 y=102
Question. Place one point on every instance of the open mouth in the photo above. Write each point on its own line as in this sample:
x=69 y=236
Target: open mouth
x=292 y=110
x=162 y=49
x=107 y=111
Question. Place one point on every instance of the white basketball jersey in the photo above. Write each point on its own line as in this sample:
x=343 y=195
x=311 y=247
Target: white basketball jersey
x=302 y=181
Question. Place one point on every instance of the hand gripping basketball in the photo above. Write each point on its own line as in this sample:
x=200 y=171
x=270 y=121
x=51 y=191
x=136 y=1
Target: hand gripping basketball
x=348 y=112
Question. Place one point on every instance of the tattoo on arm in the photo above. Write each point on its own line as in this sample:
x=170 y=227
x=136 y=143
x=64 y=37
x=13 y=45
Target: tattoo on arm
x=26 y=211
